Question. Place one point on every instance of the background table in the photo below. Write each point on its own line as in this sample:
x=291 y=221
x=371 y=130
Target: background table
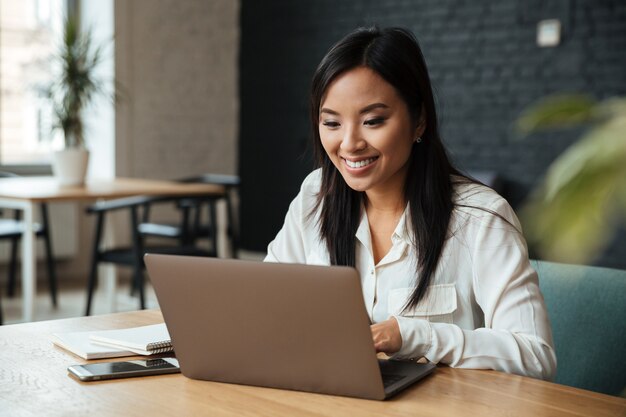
x=34 y=382
x=23 y=193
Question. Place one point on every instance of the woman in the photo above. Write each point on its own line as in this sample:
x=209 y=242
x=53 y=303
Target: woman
x=444 y=267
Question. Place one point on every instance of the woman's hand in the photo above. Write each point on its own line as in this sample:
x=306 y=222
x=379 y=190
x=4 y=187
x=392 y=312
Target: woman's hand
x=387 y=337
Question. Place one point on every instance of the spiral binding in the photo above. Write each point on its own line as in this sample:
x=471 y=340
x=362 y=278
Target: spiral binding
x=160 y=347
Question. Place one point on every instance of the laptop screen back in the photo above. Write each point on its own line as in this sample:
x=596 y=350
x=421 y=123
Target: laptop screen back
x=286 y=326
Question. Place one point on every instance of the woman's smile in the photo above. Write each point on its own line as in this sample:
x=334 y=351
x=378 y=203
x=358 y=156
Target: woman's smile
x=359 y=165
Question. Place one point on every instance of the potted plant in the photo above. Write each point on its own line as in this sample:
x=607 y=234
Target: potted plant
x=72 y=90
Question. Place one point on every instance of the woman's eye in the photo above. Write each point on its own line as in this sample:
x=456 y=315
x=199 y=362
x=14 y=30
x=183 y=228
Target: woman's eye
x=330 y=123
x=374 y=122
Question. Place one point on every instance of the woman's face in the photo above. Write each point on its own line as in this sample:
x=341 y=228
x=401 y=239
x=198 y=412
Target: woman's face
x=367 y=132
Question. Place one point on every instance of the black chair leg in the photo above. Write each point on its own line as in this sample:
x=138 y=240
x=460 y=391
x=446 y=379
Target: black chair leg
x=187 y=236
x=52 y=277
x=91 y=284
x=93 y=273
x=138 y=282
x=138 y=257
x=231 y=227
x=213 y=227
x=12 y=268
x=137 y=245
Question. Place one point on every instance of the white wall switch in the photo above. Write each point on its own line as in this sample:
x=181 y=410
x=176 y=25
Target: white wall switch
x=548 y=32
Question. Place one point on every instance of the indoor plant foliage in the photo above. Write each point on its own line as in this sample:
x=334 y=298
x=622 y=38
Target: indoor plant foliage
x=582 y=200
x=71 y=92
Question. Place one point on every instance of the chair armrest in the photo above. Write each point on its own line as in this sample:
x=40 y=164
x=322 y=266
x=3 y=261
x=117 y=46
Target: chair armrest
x=128 y=202
x=192 y=202
x=218 y=179
x=118 y=203
x=163 y=230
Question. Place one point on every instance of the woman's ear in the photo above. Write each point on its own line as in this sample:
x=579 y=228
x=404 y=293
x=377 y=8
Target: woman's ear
x=421 y=125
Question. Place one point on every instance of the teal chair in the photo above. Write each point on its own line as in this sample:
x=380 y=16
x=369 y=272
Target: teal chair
x=587 y=308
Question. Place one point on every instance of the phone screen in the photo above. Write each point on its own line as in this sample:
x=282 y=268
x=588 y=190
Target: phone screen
x=126 y=369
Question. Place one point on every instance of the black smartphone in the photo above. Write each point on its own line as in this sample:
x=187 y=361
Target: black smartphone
x=127 y=369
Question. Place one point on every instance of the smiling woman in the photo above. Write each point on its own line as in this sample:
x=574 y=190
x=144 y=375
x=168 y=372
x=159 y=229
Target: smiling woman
x=444 y=267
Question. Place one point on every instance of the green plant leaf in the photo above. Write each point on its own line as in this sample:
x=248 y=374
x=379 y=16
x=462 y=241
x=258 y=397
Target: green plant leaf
x=558 y=111
x=573 y=215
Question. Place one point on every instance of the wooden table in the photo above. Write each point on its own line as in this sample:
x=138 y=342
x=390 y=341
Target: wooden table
x=34 y=382
x=24 y=192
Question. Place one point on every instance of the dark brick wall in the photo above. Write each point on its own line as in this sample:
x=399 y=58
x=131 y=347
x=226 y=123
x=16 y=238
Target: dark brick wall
x=484 y=64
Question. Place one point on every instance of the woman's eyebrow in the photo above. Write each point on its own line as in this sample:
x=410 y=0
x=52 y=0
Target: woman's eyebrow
x=329 y=111
x=365 y=109
x=373 y=106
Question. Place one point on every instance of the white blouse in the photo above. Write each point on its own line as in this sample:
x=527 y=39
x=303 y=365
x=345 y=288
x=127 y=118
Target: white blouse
x=483 y=308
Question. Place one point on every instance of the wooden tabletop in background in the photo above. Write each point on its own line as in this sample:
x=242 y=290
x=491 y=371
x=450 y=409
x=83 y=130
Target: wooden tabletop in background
x=38 y=189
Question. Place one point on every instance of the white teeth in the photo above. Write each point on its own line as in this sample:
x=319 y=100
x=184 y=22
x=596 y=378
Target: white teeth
x=360 y=164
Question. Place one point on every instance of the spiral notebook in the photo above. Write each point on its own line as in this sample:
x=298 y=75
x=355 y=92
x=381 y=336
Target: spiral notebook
x=80 y=344
x=144 y=340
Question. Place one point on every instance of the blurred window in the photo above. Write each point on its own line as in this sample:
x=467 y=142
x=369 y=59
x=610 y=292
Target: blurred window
x=29 y=34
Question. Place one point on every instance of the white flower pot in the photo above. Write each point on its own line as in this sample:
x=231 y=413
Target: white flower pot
x=70 y=166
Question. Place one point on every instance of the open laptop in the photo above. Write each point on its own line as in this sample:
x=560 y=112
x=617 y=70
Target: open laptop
x=289 y=326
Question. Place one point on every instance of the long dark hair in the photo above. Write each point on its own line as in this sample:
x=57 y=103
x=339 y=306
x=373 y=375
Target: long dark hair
x=394 y=54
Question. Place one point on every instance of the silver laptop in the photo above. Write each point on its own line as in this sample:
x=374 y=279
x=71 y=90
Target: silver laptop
x=297 y=327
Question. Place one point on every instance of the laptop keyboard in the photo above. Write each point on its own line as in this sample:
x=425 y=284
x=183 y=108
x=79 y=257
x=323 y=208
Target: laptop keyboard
x=390 y=379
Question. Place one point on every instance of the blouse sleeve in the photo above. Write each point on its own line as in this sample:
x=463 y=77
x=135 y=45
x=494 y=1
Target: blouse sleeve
x=516 y=337
x=288 y=245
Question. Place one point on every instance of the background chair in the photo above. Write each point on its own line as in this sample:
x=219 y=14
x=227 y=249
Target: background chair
x=199 y=226
x=132 y=256
x=11 y=229
x=587 y=308
x=491 y=179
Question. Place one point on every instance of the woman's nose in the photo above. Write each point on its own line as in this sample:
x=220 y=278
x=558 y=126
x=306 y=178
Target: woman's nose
x=352 y=140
